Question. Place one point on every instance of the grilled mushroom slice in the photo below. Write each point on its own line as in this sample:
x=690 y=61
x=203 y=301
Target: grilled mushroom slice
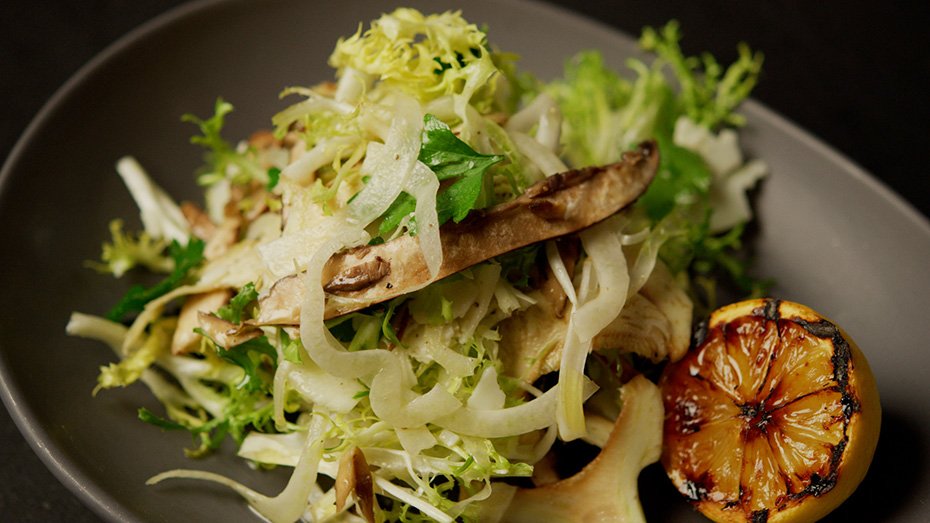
x=227 y=334
x=185 y=339
x=354 y=476
x=556 y=206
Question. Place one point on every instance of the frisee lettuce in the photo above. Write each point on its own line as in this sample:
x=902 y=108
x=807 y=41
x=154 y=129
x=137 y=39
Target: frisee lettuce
x=252 y=356
x=590 y=95
x=291 y=348
x=186 y=259
x=606 y=113
x=126 y=251
x=222 y=160
x=238 y=421
x=708 y=94
x=232 y=388
x=425 y=56
x=130 y=368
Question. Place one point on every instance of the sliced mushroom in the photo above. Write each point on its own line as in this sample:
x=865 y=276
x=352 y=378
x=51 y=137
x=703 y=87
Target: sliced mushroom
x=559 y=205
x=227 y=334
x=569 y=249
x=263 y=139
x=354 y=475
x=226 y=236
x=185 y=339
x=227 y=232
x=607 y=485
x=201 y=225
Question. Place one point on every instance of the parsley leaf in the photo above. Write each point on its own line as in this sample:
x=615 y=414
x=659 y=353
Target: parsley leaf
x=450 y=158
x=459 y=198
x=249 y=356
x=274 y=176
x=683 y=176
x=447 y=155
x=233 y=311
x=153 y=419
x=185 y=259
x=402 y=207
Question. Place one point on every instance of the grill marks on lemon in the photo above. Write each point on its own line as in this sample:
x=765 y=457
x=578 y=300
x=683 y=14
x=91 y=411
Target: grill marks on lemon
x=760 y=413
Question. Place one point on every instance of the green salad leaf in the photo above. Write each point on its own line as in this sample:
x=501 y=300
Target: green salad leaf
x=402 y=207
x=683 y=178
x=223 y=160
x=274 y=176
x=447 y=155
x=606 y=113
x=234 y=310
x=449 y=158
x=708 y=94
x=126 y=251
x=250 y=357
x=130 y=368
x=186 y=259
x=426 y=56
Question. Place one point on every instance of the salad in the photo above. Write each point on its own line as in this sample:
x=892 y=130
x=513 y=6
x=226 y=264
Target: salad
x=436 y=270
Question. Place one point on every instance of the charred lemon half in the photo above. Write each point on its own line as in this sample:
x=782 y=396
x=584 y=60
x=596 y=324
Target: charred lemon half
x=772 y=416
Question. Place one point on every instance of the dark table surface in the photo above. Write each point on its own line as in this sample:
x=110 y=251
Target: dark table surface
x=856 y=74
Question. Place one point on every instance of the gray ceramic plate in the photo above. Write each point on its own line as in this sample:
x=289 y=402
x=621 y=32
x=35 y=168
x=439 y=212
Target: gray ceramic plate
x=832 y=236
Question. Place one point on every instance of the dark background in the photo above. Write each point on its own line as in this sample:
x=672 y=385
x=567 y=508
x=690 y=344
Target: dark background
x=855 y=74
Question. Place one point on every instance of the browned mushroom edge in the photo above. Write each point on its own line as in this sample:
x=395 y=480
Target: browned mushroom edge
x=558 y=205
